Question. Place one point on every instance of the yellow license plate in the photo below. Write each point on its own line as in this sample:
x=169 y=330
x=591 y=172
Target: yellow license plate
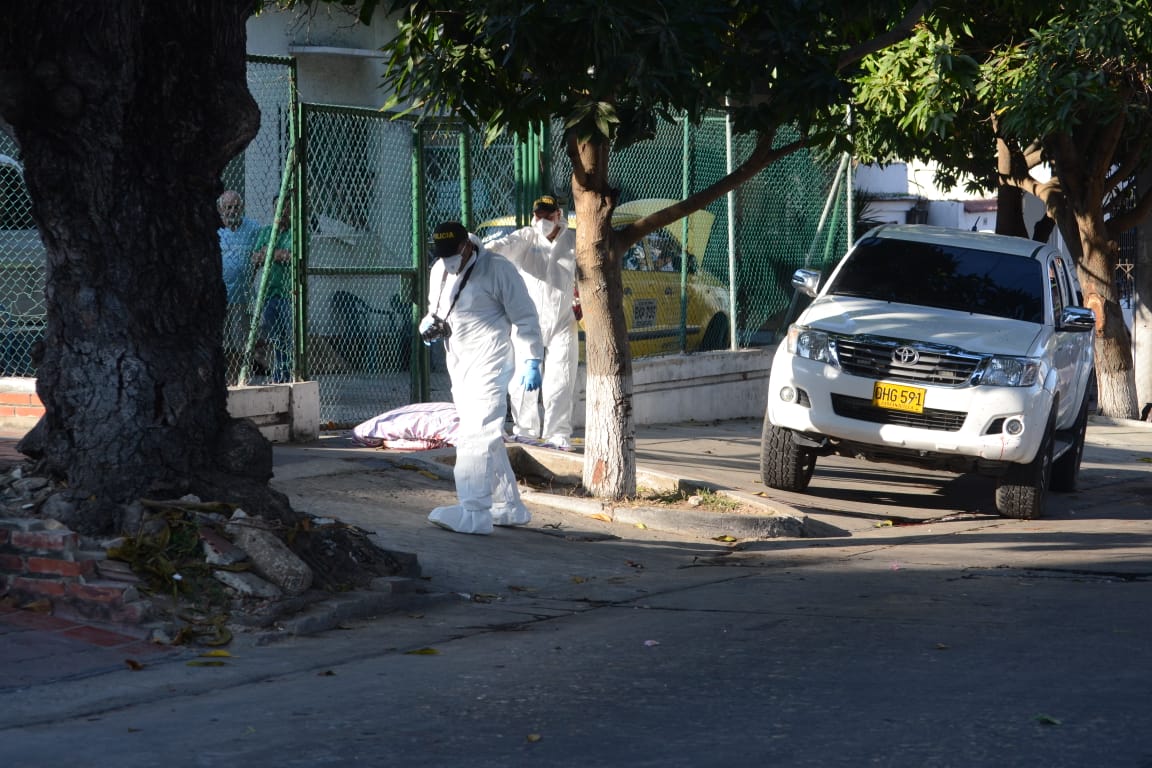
x=897 y=397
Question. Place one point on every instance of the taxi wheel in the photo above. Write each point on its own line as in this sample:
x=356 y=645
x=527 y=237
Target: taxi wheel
x=784 y=465
x=715 y=335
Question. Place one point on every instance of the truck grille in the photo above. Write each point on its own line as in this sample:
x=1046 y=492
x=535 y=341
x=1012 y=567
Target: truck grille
x=872 y=357
x=932 y=418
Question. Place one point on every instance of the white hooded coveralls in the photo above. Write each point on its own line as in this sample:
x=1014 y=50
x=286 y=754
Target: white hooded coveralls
x=549 y=272
x=492 y=317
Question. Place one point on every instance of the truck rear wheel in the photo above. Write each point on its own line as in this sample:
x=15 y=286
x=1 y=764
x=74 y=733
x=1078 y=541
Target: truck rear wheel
x=1020 y=492
x=784 y=465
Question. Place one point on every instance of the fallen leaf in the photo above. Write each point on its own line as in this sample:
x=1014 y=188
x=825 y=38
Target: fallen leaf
x=215 y=654
x=725 y=537
x=429 y=475
x=326 y=673
x=641 y=526
x=601 y=517
x=943 y=647
x=532 y=738
x=423 y=652
x=1047 y=720
x=634 y=564
x=515 y=588
x=134 y=665
x=1145 y=459
x=883 y=524
x=578 y=579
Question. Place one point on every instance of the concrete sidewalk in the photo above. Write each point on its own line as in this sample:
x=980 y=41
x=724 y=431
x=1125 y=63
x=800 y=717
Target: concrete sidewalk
x=338 y=478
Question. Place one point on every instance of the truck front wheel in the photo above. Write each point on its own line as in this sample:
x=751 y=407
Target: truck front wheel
x=784 y=465
x=1020 y=492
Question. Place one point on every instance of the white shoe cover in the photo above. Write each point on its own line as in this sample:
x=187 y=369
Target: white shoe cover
x=456 y=518
x=510 y=514
x=560 y=442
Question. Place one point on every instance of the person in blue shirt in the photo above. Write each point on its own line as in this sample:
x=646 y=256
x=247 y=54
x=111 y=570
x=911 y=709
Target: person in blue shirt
x=237 y=240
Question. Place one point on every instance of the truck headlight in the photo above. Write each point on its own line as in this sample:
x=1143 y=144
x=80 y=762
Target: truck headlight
x=1009 y=372
x=813 y=345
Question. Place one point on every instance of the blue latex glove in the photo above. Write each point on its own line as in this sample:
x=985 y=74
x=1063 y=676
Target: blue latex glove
x=531 y=376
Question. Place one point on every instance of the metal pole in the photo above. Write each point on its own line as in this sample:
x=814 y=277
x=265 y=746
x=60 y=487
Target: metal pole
x=285 y=180
x=465 y=155
x=685 y=190
x=421 y=370
x=728 y=166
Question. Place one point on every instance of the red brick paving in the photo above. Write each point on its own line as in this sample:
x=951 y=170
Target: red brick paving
x=43 y=649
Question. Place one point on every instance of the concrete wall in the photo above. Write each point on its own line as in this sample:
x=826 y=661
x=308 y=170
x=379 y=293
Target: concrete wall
x=703 y=386
x=283 y=412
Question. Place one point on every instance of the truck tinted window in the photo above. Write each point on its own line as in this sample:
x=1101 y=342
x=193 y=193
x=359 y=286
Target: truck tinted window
x=948 y=277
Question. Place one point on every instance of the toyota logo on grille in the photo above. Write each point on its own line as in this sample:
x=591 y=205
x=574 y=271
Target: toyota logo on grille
x=906 y=356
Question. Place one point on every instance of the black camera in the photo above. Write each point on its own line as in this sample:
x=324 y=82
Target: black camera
x=438 y=330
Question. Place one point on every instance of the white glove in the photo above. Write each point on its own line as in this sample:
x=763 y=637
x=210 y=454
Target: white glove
x=427 y=322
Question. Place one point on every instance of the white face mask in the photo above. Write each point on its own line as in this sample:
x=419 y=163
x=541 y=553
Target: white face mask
x=452 y=263
x=561 y=225
x=544 y=226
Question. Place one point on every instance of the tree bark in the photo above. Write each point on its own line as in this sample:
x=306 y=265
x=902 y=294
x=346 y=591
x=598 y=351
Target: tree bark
x=126 y=114
x=609 y=431
x=1115 y=377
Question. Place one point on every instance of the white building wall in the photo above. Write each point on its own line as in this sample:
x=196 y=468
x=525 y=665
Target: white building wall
x=338 y=59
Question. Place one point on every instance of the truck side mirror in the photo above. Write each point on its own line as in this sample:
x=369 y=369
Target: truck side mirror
x=807 y=281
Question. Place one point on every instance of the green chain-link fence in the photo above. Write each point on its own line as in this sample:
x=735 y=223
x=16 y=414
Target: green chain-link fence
x=21 y=268
x=741 y=251
x=363 y=191
x=361 y=262
x=260 y=324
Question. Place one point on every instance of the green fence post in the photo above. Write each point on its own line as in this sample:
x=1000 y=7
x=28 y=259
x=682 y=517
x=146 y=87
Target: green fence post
x=300 y=369
x=421 y=368
x=463 y=139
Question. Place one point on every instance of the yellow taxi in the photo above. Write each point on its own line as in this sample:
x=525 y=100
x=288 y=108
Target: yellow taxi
x=651 y=271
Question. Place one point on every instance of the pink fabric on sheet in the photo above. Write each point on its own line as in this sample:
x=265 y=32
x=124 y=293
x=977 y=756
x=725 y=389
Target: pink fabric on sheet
x=420 y=426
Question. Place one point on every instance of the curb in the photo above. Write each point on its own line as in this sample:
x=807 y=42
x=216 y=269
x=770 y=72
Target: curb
x=778 y=520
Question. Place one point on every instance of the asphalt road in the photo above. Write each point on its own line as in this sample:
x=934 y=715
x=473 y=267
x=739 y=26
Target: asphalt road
x=959 y=640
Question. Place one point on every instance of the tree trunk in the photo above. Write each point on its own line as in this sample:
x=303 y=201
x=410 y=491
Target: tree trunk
x=126 y=114
x=609 y=431
x=1009 y=195
x=1116 y=381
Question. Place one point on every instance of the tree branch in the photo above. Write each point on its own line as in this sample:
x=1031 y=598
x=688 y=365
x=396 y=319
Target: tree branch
x=897 y=33
x=762 y=156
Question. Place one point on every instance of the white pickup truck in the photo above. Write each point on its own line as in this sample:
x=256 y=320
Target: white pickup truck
x=938 y=348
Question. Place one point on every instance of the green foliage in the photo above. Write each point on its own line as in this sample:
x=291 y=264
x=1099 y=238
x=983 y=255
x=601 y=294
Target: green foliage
x=1023 y=70
x=610 y=69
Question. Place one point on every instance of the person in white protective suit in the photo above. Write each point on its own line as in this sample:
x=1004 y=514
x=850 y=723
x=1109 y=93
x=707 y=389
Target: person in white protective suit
x=545 y=254
x=479 y=307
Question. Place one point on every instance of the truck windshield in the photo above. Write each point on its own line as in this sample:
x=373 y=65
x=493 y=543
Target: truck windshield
x=948 y=277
